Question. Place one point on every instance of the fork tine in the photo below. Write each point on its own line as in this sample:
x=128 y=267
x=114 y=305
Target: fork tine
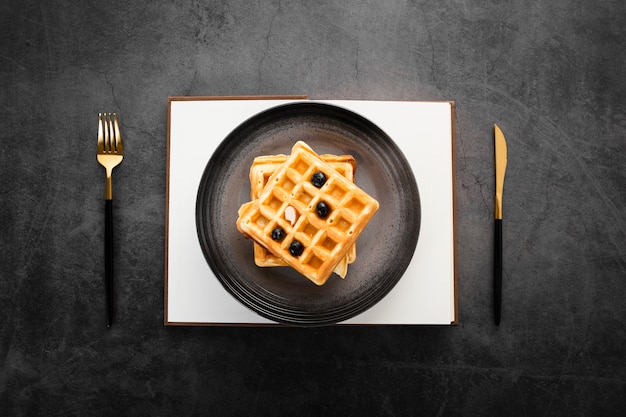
x=100 y=134
x=111 y=135
x=118 y=136
x=106 y=132
x=111 y=138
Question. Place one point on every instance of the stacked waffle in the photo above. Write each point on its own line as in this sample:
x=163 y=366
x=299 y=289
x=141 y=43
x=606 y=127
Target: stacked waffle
x=306 y=212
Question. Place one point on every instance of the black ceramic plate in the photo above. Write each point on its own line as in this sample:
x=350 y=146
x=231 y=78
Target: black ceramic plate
x=384 y=249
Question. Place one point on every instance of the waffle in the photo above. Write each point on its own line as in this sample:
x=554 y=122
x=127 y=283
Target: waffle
x=260 y=171
x=323 y=242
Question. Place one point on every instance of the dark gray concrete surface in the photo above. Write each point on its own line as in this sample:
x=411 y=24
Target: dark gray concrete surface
x=550 y=73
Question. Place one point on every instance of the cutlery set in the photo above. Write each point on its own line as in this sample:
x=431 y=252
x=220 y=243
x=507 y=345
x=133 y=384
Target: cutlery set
x=111 y=153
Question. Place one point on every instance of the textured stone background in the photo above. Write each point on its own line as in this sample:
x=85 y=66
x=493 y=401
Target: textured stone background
x=549 y=72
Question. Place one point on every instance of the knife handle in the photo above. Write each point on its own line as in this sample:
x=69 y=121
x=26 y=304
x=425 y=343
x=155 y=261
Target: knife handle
x=108 y=260
x=497 y=272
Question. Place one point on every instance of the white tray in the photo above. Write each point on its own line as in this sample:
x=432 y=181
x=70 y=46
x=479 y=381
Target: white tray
x=426 y=294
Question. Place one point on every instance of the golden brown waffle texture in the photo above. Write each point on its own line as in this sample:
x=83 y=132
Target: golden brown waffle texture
x=310 y=243
x=260 y=171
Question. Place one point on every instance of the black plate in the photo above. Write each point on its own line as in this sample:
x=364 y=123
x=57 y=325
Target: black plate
x=384 y=249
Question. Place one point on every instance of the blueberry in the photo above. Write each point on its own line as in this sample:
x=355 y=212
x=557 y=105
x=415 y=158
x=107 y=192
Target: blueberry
x=322 y=209
x=296 y=248
x=278 y=234
x=318 y=179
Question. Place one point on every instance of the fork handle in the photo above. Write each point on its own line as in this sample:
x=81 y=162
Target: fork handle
x=108 y=259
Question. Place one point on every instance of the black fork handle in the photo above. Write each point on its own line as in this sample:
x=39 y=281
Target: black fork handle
x=108 y=260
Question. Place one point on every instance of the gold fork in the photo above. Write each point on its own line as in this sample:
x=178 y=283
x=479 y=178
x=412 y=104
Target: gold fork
x=110 y=155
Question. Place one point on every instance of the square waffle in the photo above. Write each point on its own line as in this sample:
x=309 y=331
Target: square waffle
x=260 y=171
x=311 y=245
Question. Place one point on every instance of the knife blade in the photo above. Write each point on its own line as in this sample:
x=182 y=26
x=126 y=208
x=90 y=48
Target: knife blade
x=501 y=161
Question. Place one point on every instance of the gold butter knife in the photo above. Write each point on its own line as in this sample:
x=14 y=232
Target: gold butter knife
x=501 y=160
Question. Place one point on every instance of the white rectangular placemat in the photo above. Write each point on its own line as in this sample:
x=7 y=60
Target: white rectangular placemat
x=426 y=294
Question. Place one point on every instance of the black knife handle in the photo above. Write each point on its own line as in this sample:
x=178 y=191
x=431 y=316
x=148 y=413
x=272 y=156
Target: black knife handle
x=497 y=272
x=108 y=260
